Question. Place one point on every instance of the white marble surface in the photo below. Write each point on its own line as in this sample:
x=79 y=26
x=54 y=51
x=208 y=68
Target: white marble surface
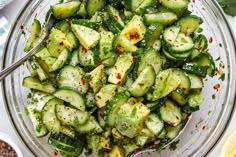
x=10 y=12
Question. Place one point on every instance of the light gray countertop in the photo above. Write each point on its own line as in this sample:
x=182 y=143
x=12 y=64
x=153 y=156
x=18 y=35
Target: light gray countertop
x=10 y=12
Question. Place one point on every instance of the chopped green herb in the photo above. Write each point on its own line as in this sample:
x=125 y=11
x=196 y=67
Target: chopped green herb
x=159 y=148
x=173 y=145
x=222 y=77
x=218 y=58
x=213 y=96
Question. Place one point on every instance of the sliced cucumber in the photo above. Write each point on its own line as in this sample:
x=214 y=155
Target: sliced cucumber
x=74 y=58
x=72 y=39
x=94 y=5
x=182 y=43
x=42 y=102
x=190 y=23
x=65 y=10
x=170 y=113
x=49 y=115
x=36 y=118
x=165 y=18
x=195 y=69
x=66 y=130
x=88 y=58
x=143 y=83
x=86 y=23
x=70 y=116
x=63 y=26
x=61 y=60
x=123 y=45
x=175 y=4
x=196 y=81
x=35 y=31
x=33 y=83
x=170 y=35
x=154 y=124
x=115 y=17
x=72 y=97
x=97 y=78
x=72 y=77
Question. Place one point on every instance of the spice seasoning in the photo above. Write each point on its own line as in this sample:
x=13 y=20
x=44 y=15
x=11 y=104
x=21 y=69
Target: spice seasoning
x=6 y=150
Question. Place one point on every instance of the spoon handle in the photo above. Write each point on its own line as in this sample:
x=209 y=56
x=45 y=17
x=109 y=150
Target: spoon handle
x=5 y=72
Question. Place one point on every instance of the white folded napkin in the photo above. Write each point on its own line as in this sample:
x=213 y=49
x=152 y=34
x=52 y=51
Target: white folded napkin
x=3 y=3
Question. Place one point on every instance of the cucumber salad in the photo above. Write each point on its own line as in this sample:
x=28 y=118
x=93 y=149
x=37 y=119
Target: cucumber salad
x=115 y=76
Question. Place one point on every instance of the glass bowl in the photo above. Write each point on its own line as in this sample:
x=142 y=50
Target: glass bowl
x=205 y=127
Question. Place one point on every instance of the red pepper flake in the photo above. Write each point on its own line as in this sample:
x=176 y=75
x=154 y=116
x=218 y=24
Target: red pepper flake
x=21 y=27
x=84 y=50
x=119 y=48
x=55 y=152
x=118 y=83
x=200 y=48
x=193 y=1
x=177 y=117
x=204 y=127
x=210 y=40
x=137 y=150
x=172 y=70
x=223 y=66
x=102 y=115
x=169 y=40
x=61 y=43
x=216 y=86
x=161 y=78
x=99 y=61
x=116 y=17
x=184 y=89
x=118 y=76
x=133 y=35
x=133 y=59
x=83 y=81
x=106 y=145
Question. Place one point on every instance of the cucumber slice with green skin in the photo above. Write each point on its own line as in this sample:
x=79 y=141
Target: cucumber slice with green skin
x=100 y=117
x=162 y=134
x=196 y=81
x=115 y=17
x=72 y=77
x=122 y=44
x=43 y=76
x=132 y=4
x=189 y=23
x=152 y=34
x=182 y=44
x=65 y=143
x=67 y=131
x=42 y=102
x=36 y=119
x=33 y=83
x=74 y=58
x=35 y=31
x=106 y=54
x=65 y=10
x=88 y=37
x=135 y=30
x=90 y=99
x=49 y=61
x=72 y=39
x=86 y=23
x=195 y=99
x=112 y=27
x=145 y=4
x=149 y=55
x=153 y=105
x=70 y=116
x=88 y=58
x=170 y=113
x=57 y=42
x=49 y=115
x=94 y=5
x=61 y=60
x=171 y=57
x=143 y=83
x=43 y=53
x=179 y=96
x=166 y=82
x=156 y=45
x=154 y=124
x=185 y=84
x=206 y=60
x=72 y=97
x=91 y=126
x=165 y=18
x=172 y=131
x=130 y=117
x=195 y=69
x=116 y=151
x=105 y=95
x=63 y=26
x=82 y=9
x=97 y=78
x=113 y=107
x=170 y=35
x=175 y=4
x=121 y=69
x=194 y=53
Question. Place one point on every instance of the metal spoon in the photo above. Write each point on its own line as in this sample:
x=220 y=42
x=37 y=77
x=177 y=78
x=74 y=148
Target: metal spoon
x=5 y=72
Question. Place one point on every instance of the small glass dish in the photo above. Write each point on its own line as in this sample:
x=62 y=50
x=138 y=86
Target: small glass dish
x=205 y=127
